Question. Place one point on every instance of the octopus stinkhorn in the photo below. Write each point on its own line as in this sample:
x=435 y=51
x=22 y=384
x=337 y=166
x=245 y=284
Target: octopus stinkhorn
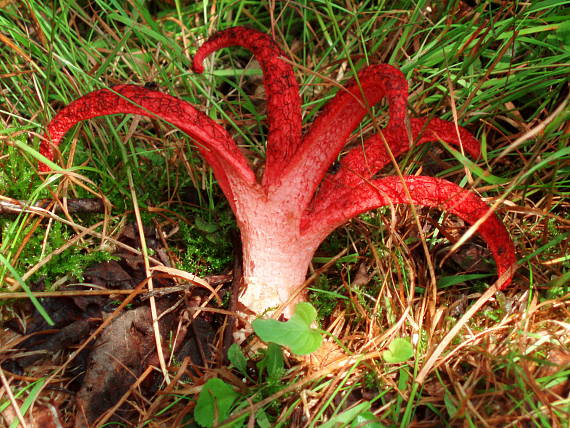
x=284 y=215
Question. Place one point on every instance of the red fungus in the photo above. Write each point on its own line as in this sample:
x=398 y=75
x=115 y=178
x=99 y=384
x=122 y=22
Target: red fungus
x=284 y=217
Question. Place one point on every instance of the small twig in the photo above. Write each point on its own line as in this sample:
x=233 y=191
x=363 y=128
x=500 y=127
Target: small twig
x=72 y=206
x=145 y=294
x=40 y=294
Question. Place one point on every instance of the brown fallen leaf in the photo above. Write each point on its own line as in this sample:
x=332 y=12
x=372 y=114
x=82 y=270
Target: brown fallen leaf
x=120 y=356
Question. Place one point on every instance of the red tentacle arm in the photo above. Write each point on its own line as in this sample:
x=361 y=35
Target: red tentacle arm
x=213 y=142
x=362 y=162
x=341 y=115
x=283 y=101
x=424 y=191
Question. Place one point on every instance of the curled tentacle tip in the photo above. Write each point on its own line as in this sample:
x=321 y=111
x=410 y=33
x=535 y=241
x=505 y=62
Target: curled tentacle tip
x=197 y=65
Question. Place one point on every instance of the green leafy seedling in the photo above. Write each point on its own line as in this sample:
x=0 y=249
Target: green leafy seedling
x=297 y=333
x=205 y=226
x=237 y=359
x=398 y=351
x=357 y=416
x=368 y=420
x=273 y=362
x=214 y=403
